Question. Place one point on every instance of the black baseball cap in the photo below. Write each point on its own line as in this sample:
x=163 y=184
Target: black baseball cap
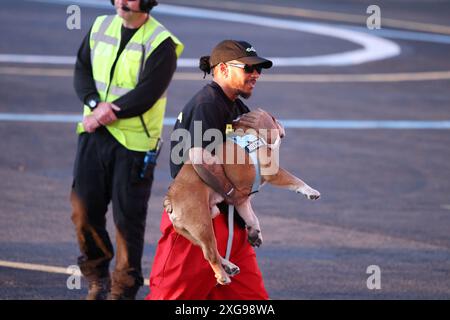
x=229 y=50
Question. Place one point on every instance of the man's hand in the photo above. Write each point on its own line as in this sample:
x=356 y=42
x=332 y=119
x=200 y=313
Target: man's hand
x=261 y=119
x=258 y=119
x=90 y=124
x=104 y=113
x=280 y=128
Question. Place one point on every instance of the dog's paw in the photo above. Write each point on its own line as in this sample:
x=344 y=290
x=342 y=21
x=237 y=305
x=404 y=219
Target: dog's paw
x=230 y=268
x=167 y=205
x=214 y=212
x=223 y=279
x=309 y=192
x=254 y=237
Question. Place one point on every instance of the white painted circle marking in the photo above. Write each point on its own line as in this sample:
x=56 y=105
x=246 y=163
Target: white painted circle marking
x=373 y=48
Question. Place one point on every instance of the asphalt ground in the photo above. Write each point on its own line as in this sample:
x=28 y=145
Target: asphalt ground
x=385 y=192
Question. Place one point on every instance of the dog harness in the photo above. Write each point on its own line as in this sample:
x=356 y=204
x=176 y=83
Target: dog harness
x=250 y=143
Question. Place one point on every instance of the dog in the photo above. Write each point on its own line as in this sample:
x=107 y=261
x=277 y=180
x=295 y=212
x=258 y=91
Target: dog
x=192 y=215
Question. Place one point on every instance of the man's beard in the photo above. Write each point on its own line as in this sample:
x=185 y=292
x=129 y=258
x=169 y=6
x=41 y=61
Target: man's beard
x=244 y=95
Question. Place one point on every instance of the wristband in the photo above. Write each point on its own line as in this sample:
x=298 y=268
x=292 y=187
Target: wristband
x=230 y=192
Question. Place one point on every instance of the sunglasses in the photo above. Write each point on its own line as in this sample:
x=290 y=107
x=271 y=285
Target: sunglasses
x=247 y=68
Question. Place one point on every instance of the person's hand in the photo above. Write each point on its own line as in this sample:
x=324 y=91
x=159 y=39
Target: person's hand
x=237 y=196
x=90 y=124
x=280 y=128
x=261 y=119
x=104 y=113
x=258 y=119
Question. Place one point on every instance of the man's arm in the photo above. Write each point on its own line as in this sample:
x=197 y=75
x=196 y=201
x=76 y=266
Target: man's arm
x=83 y=80
x=156 y=76
x=84 y=84
x=212 y=173
x=101 y=116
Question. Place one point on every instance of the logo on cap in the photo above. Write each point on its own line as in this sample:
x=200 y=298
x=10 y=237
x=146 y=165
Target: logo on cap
x=251 y=49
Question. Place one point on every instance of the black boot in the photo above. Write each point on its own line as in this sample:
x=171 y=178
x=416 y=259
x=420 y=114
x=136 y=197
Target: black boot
x=118 y=293
x=99 y=288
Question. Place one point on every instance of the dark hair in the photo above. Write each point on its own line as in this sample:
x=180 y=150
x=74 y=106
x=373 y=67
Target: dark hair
x=151 y=4
x=205 y=65
x=144 y=5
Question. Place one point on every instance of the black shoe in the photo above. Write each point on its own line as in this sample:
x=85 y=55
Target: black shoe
x=99 y=289
x=121 y=296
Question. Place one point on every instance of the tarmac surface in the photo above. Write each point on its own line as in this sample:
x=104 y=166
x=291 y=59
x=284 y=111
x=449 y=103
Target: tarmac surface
x=385 y=192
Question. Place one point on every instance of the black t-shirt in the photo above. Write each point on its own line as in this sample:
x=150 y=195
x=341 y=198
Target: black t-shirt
x=215 y=111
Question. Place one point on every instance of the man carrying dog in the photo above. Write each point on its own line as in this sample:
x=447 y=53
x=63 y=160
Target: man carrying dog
x=123 y=69
x=179 y=269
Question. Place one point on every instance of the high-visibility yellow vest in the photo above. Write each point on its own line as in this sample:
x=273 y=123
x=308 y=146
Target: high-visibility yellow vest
x=104 y=43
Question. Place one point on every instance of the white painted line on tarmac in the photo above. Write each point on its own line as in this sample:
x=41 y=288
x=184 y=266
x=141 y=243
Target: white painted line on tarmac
x=319 y=14
x=269 y=77
x=41 y=268
x=39 y=72
x=288 y=123
x=362 y=124
x=373 y=48
x=403 y=35
x=370 y=77
x=37 y=59
x=27 y=117
x=33 y=267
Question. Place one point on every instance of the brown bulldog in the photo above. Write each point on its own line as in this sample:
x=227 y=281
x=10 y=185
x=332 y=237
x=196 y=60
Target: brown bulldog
x=250 y=159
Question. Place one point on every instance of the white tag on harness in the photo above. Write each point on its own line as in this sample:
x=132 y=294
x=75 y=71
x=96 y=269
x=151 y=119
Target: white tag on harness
x=252 y=146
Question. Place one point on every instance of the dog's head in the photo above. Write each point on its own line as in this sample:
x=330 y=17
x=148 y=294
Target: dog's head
x=262 y=124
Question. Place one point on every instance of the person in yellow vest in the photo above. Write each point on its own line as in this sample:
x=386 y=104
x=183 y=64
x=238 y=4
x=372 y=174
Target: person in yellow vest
x=124 y=66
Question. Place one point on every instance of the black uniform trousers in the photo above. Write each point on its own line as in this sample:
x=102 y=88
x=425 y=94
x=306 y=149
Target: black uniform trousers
x=106 y=171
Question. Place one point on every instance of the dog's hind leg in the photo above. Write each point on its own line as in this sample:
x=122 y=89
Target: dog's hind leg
x=212 y=255
x=209 y=247
x=220 y=269
x=201 y=232
x=187 y=235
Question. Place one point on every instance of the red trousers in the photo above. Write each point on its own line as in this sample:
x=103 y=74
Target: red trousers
x=180 y=272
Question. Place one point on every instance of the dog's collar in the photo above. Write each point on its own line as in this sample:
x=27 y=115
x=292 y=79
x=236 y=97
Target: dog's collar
x=250 y=144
